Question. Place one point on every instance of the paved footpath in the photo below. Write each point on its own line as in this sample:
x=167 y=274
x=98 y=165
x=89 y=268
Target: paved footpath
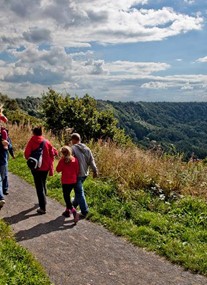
x=85 y=254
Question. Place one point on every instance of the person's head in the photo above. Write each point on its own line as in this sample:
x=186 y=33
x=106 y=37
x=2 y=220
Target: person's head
x=3 y=119
x=75 y=138
x=37 y=131
x=66 y=153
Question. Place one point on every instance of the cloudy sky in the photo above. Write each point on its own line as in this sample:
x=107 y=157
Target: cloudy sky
x=141 y=50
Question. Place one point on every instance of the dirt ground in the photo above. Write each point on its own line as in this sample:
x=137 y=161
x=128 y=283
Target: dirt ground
x=85 y=254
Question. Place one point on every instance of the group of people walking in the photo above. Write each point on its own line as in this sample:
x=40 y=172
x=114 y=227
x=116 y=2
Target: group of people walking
x=73 y=165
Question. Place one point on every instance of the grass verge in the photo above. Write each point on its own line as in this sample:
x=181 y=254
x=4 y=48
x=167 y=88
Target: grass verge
x=176 y=230
x=17 y=265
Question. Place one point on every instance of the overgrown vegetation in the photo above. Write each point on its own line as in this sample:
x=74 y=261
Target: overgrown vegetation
x=146 y=198
x=17 y=266
x=133 y=169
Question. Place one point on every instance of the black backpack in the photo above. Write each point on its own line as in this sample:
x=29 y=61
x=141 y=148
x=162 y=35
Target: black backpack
x=35 y=160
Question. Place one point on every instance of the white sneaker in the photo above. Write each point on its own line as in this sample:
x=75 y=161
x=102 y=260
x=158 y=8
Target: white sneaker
x=2 y=202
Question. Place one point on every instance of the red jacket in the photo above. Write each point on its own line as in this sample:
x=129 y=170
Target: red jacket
x=69 y=170
x=48 y=152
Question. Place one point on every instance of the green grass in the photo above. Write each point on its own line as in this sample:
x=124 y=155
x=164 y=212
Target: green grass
x=17 y=266
x=176 y=230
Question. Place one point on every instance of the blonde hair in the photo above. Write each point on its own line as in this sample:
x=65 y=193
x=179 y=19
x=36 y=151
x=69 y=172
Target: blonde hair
x=66 y=152
x=1 y=109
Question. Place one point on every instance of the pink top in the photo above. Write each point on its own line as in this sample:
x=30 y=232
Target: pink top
x=69 y=170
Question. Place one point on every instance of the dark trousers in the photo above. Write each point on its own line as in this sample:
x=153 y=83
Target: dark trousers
x=5 y=184
x=67 y=188
x=40 y=178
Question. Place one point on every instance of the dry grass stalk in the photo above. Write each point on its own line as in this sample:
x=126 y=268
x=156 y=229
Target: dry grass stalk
x=132 y=168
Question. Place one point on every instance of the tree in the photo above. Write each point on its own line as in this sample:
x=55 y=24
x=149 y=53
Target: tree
x=80 y=115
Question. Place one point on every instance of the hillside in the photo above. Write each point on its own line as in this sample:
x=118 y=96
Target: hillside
x=182 y=124
x=176 y=127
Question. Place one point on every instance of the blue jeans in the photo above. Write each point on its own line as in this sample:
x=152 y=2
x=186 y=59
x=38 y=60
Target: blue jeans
x=5 y=180
x=80 y=196
x=2 y=176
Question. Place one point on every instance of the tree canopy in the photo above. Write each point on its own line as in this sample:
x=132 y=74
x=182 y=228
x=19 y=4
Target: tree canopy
x=80 y=115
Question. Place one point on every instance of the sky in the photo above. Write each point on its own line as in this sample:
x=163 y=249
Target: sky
x=142 y=50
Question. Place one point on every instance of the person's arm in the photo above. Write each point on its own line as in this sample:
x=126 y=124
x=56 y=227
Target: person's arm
x=59 y=167
x=93 y=165
x=77 y=167
x=11 y=150
x=52 y=151
x=28 y=150
x=55 y=152
x=4 y=135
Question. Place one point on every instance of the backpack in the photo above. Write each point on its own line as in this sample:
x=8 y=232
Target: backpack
x=35 y=160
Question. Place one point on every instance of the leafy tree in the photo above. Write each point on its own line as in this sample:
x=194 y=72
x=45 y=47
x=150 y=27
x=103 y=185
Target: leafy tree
x=31 y=105
x=80 y=115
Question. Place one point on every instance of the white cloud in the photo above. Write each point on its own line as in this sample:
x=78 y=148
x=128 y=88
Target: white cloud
x=202 y=59
x=58 y=25
x=78 y=23
x=189 y=1
x=135 y=68
x=154 y=85
x=187 y=86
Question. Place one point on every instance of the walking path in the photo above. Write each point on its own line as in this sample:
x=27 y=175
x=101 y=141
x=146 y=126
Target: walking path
x=85 y=254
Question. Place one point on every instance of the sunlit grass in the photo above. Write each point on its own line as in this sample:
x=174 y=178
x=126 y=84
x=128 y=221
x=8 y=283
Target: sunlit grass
x=17 y=265
x=175 y=229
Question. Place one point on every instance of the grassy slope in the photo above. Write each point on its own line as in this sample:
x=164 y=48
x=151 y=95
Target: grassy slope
x=17 y=266
x=176 y=230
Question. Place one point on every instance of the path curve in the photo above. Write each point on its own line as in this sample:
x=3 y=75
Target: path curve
x=85 y=254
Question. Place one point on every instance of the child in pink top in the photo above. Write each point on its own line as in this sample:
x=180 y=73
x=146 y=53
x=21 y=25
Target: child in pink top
x=69 y=167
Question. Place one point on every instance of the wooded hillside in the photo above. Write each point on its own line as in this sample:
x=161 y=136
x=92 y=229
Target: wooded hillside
x=178 y=127
x=174 y=127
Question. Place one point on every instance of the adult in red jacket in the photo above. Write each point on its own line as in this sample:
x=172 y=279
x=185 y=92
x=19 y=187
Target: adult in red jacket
x=40 y=175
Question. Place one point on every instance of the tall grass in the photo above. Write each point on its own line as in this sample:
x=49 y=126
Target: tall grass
x=175 y=229
x=133 y=169
x=20 y=135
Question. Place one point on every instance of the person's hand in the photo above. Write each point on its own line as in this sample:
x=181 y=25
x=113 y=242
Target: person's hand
x=95 y=174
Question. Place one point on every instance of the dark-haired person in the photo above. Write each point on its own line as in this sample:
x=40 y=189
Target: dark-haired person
x=86 y=160
x=40 y=174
